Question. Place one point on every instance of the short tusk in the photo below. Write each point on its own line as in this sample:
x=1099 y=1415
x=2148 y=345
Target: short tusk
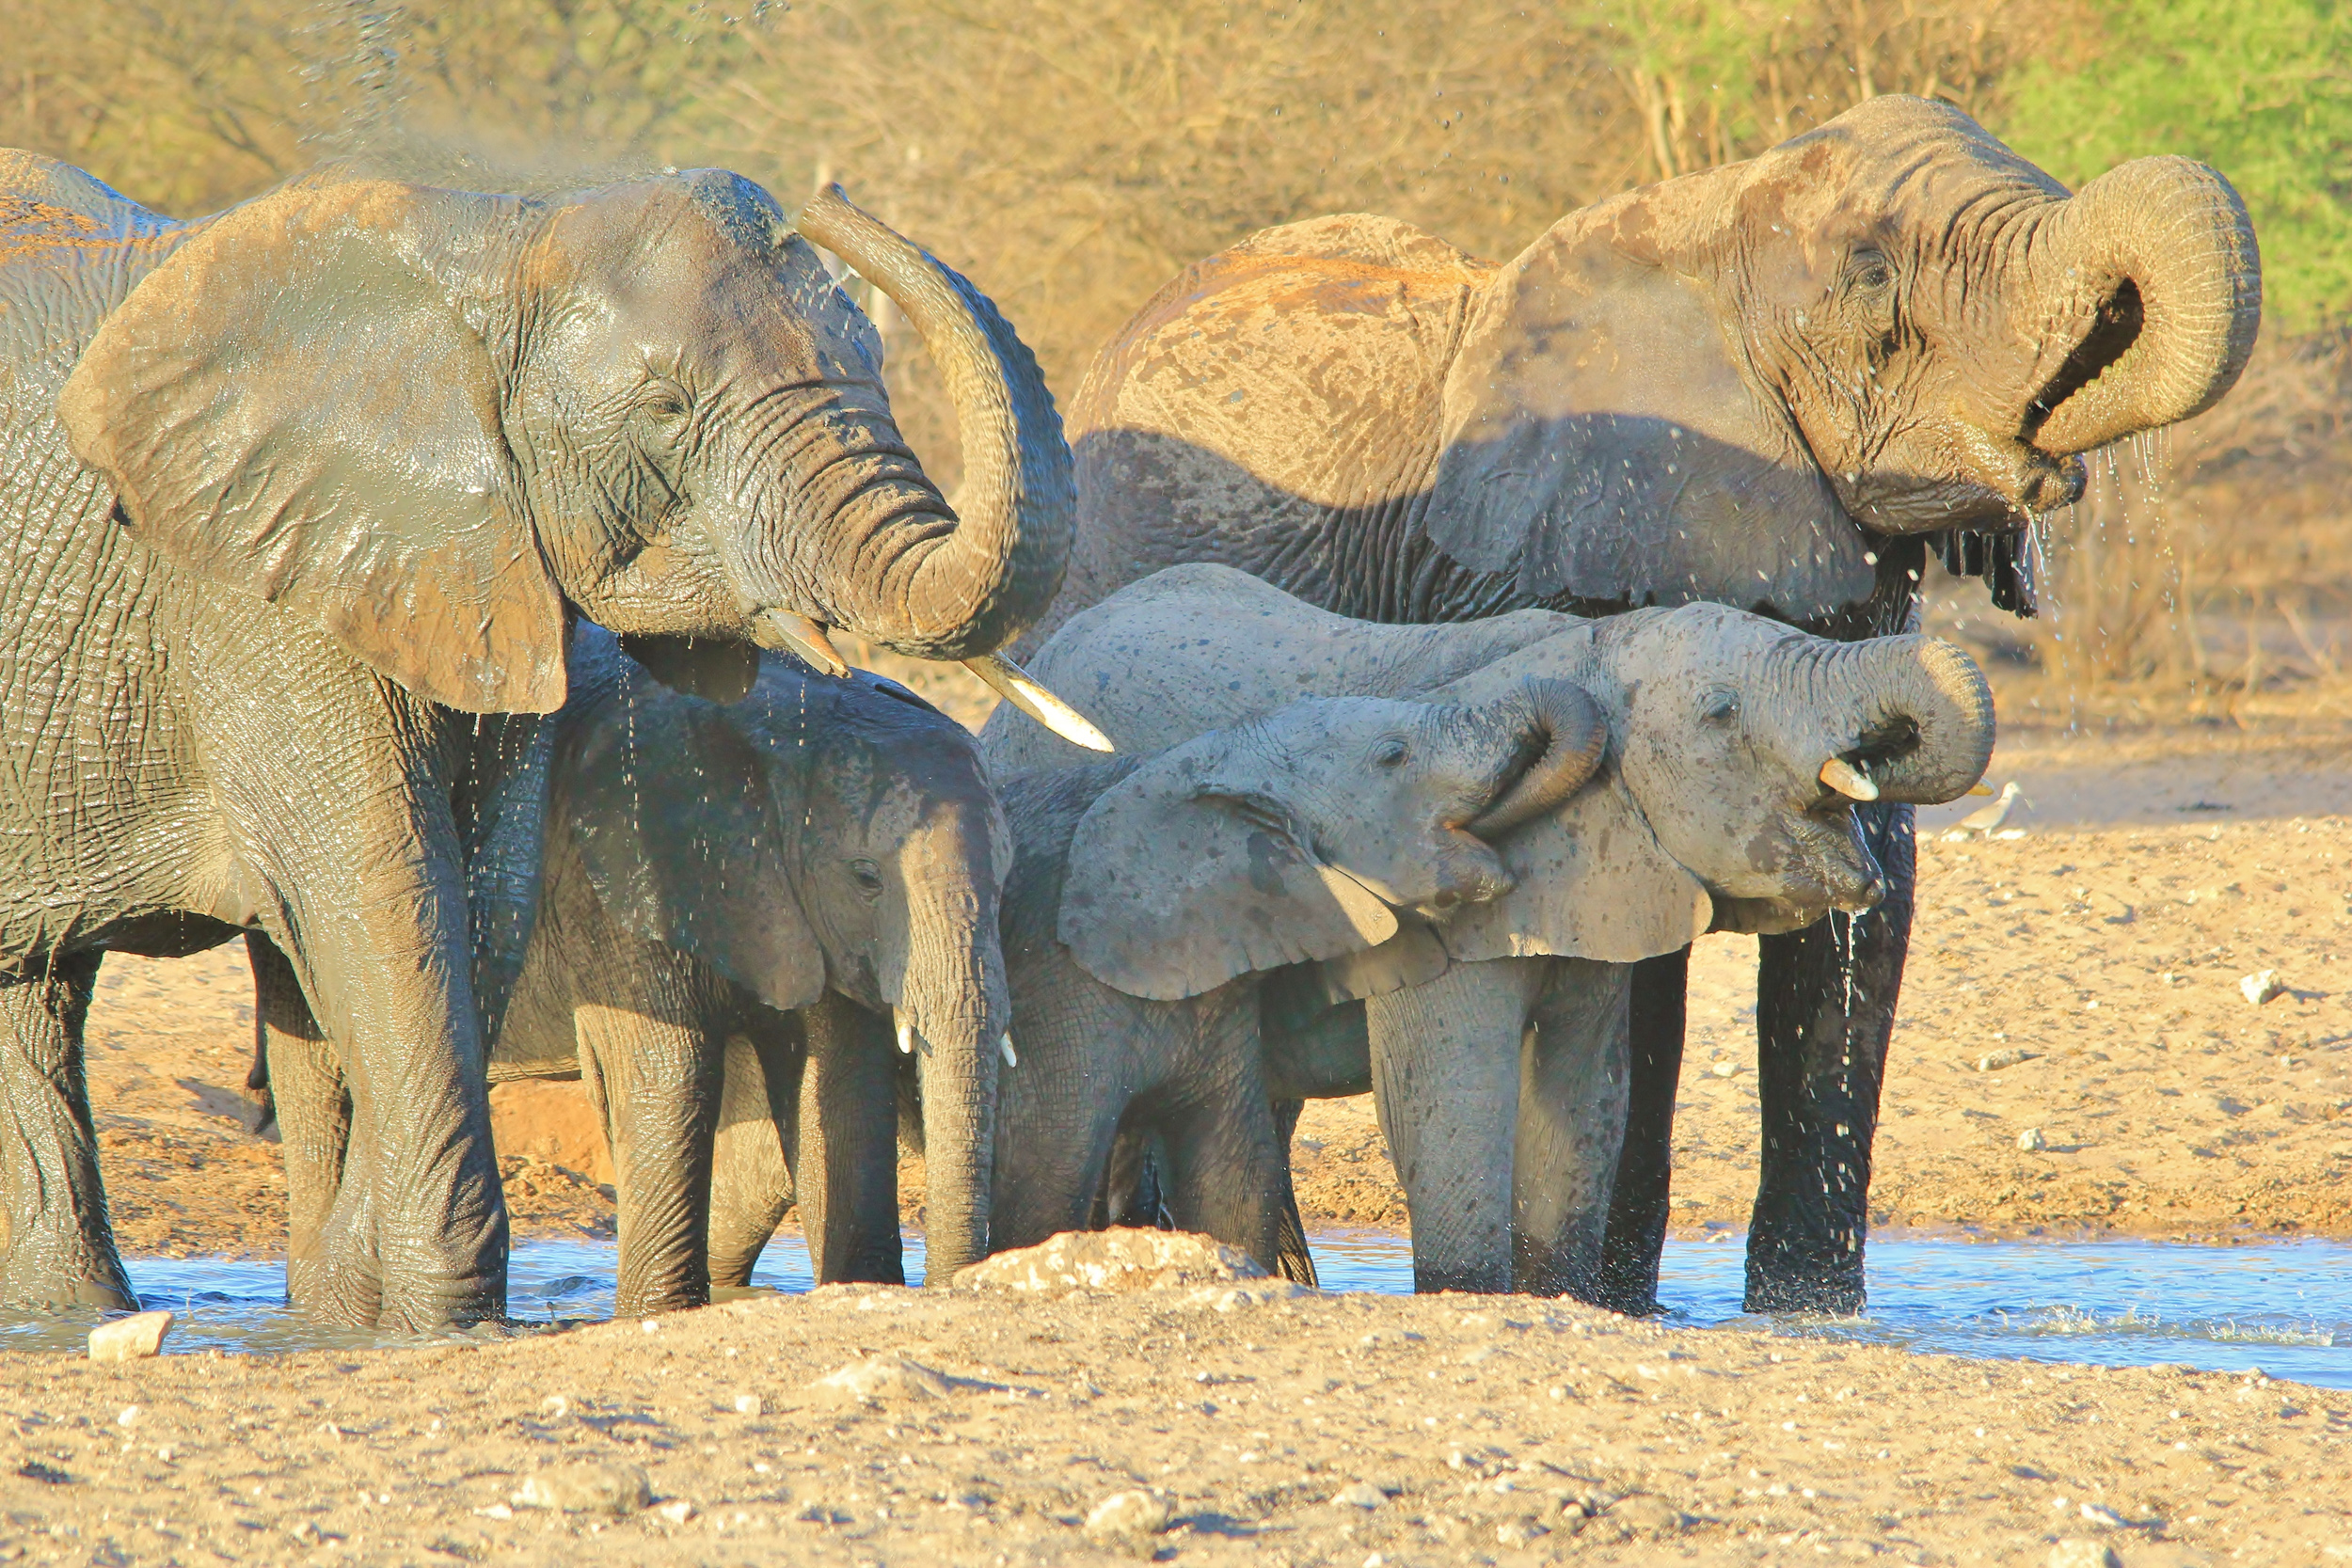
x=1013 y=684
x=1847 y=780
x=807 y=638
x=906 y=1033
x=1005 y=1045
x=1979 y=787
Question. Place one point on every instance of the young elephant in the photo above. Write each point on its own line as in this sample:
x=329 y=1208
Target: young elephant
x=739 y=893
x=1497 y=1043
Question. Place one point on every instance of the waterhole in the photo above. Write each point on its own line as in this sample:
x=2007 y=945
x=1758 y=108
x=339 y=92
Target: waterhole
x=2285 y=1307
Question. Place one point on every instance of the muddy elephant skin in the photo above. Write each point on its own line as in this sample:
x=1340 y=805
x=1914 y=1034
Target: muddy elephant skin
x=1777 y=383
x=297 y=491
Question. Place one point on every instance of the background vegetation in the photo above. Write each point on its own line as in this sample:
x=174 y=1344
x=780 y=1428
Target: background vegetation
x=1071 y=155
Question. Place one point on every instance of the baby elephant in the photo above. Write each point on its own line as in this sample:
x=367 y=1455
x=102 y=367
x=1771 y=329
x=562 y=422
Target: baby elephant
x=1149 y=898
x=739 y=893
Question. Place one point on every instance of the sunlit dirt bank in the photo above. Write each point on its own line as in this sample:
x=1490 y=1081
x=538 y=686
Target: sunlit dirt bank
x=1263 y=1426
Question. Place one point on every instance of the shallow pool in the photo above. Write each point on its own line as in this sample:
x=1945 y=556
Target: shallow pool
x=2283 y=1307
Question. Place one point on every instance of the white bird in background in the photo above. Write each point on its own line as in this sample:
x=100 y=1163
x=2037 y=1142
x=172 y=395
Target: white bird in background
x=1984 y=818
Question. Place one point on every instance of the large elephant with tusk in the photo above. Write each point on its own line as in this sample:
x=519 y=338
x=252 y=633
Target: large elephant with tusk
x=302 y=501
x=1778 y=384
x=1494 y=1036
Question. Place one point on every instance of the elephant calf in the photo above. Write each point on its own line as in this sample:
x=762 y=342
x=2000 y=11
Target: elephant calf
x=737 y=895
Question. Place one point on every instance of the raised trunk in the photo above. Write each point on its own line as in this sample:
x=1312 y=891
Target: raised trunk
x=1917 y=712
x=2146 y=291
x=941 y=589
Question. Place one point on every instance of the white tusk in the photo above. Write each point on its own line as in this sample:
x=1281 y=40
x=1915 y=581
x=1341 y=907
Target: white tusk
x=1847 y=780
x=1005 y=1045
x=1979 y=787
x=1013 y=684
x=807 y=638
x=906 y=1033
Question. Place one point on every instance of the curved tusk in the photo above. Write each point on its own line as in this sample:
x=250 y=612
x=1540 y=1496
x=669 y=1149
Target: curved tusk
x=1013 y=684
x=1979 y=787
x=807 y=638
x=1847 y=780
x=906 y=1033
x=1005 y=1045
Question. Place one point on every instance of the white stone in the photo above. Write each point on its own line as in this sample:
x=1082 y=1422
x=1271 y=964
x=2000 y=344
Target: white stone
x=592 y=1486
x=2261 y=986
x=2031 y=1140
x=750 y=1404
x=677 y=1510
x=128 y=1416
x=1127 y=1516
x=1994 y=1061
x=1124 y=1259
x=130 y=1339
x=882 y=1377
x=1361 y=1493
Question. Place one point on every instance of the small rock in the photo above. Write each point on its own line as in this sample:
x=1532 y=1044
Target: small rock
x=128 y=1416
x=1648 y=1515
x=750 y=1404
x=593 y=1486
x=1127 y=1516
x=1124 y=1259
x=879 y=1377
x=130 y=1339
x=1725 y=1068
x=495 y=1511
x=1994 y=1061
x=1361 y=1493
x=555 y=1407
x=677 y=1510
x=2261 y=986
x=2031 y=1140
x=2079 y=1553
x=1518 y=1533
x=2103 y=1516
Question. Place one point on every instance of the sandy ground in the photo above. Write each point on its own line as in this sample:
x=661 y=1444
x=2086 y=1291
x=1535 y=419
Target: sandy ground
x=1458 y=1429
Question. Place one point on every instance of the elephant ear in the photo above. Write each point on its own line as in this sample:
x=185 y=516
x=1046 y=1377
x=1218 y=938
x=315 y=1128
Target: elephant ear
x=1602 y=443
x=293 y=405
x=1191 y=871
x=669 y=801
x=1594 y=882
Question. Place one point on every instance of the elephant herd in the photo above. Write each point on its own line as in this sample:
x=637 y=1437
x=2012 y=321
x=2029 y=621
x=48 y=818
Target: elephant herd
x=433 y=588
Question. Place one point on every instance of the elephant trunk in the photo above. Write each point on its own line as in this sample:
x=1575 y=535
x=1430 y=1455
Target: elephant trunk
x=1921 y=728
x=1564 y=733
x=2151 y=271
x=953 y=1014
x=957 y=590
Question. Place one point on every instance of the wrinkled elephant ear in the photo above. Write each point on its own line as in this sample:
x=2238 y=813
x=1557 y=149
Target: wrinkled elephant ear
x=1191 y=871
x=670 y=803
x=1594 y=882
x=293 y=405
x=1596 y=416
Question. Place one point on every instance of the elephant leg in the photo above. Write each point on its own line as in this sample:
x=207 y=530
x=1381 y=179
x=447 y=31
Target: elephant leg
x=846 y=1177
x=1445 y=1077
x=313 y=1111
x=1628 y=1281
x=60 y=1251
x=1058 y=1113
x=751 y=1170
x=1227 y=1177
x=1825 y=1007
x=1293 y=1258
x=1134 y=1187
x=1573 y=1086
x=652 y=1069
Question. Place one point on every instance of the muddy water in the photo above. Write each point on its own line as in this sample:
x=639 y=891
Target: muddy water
x=2284 y=1307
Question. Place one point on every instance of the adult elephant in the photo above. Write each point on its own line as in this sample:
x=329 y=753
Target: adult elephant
x=295 y=491
x=1772 y=383
x=1495 y=1041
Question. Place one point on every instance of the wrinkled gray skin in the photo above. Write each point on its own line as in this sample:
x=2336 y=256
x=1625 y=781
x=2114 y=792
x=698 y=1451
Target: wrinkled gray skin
x=1498 y=1051
x=294 y=492
x=738 y=895
x=1774 y=385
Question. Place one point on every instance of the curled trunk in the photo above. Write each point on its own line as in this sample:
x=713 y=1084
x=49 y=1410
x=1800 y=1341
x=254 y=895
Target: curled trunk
x=964 y=588
x=1564 y=732
x=2151 y=272
x=1920 y=717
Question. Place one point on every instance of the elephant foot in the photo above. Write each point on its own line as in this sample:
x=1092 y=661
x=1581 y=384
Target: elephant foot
x=51 y=1274
x=1784 y=1278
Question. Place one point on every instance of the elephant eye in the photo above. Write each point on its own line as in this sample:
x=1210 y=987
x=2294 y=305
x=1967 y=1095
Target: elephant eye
x=1719 y=706
x=1869 y=270
x=868 y=876
x=665 y=402
x=1390 y=753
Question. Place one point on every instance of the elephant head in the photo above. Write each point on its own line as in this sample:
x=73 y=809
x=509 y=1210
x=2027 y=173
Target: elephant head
x=1739 y=746
x=430 y=420
x=818 y=833
x=1890 y=321
x=1307 y=833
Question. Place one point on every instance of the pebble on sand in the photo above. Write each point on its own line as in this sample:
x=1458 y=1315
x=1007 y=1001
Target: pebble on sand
x=1995 y=1060
x=1127 y=1516
x=130 y=1339
x=2263 y=986
x=2031 y=1140
x=1361 y=1493
x=593 y=1486
x=881 y=1377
